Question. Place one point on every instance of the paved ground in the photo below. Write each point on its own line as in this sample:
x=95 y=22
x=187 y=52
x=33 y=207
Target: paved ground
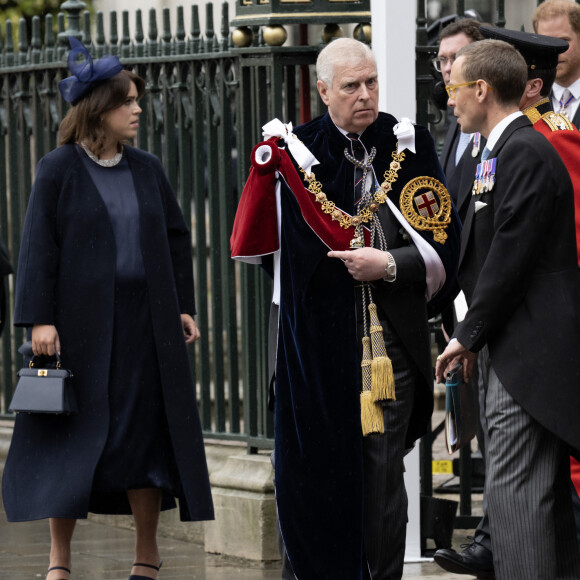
x=101 y=553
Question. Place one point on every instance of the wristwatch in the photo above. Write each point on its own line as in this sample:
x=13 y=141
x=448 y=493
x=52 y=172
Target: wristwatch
x=390 y=269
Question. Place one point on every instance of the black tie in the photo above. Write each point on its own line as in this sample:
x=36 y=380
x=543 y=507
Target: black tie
x=358 y=152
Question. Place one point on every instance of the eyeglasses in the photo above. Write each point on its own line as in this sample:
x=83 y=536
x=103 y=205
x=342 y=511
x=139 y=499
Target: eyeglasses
x=452 y=89
x=440 y=62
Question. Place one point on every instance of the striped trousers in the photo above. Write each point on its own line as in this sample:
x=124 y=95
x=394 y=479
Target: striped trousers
x=527 y=487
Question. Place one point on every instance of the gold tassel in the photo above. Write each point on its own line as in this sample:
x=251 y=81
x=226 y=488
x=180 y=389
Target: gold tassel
x=382 y=377
x=371 y=415
x=366 y=364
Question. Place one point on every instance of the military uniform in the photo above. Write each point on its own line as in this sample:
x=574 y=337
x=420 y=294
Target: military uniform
x=565 y=139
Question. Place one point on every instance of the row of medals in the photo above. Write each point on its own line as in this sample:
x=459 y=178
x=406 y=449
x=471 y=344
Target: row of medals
x=484 y=177
x=481 y=183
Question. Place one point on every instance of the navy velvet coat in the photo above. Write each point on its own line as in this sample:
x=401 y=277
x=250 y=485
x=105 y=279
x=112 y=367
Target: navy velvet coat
x=66 y=277
x=318 y=437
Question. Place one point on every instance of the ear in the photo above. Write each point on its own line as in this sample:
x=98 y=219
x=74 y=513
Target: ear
x=323 y=92
x=481 y=90
x=533 y=88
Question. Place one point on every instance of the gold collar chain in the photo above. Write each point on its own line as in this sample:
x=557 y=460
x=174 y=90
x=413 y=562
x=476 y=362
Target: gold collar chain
x=366 y=214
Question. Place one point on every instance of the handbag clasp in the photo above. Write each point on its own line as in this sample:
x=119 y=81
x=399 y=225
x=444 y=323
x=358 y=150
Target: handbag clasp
x=42 y=372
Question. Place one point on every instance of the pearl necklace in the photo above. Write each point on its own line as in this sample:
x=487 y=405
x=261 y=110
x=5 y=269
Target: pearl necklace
x=103 y=162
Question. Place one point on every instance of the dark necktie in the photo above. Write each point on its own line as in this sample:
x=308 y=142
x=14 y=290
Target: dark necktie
x=358 y=152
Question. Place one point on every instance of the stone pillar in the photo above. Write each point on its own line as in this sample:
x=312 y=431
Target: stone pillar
x=245 y=509
x=393 y=26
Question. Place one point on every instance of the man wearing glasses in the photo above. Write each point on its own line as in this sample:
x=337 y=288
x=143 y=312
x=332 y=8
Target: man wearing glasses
x=518 y=269
x=459 y=158
x=461 y=151
x=541 y=54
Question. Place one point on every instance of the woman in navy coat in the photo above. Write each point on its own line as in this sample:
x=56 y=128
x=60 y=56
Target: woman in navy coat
x=105 y=279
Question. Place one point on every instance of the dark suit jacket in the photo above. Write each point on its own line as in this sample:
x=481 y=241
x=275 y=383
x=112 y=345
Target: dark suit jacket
x=459 y=177
x=459 y=183
x=519 y=272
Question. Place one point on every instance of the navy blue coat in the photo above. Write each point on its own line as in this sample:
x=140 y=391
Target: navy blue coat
x=318 y=437
x=66 y=277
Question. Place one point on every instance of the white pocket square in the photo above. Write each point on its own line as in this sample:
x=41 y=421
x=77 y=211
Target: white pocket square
x=479 y=205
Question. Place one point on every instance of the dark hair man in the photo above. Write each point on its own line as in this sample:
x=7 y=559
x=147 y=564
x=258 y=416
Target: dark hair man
x=461 y=151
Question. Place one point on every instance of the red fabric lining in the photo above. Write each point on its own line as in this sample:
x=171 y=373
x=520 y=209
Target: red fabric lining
x=255 y=227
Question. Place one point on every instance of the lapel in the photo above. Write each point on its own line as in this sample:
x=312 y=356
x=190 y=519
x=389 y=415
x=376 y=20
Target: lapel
x=450 y=146
x=469 y=166
x=496 y=152
x=459 y=177
x=576 y=119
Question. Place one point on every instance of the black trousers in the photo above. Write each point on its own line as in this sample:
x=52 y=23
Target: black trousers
x=385 y=515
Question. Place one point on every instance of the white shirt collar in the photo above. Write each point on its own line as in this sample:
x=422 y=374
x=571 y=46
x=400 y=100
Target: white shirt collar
x=345 y=132
x=574 y=88
x=497 y=131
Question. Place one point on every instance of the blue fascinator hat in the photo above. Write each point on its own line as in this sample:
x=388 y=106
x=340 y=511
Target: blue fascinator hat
x=85 y=71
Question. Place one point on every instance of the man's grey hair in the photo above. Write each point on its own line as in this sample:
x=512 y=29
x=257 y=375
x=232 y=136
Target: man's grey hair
x=343 y=51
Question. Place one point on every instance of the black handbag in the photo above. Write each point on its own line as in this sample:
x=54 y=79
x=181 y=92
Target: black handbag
x=44 y=390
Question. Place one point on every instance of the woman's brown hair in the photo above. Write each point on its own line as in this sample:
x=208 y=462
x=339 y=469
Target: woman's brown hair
x=83 y=120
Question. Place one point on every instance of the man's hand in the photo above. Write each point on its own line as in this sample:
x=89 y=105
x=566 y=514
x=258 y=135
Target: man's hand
x=45 y=340
x=190 y=330
x=364 y=264
x=453 y=354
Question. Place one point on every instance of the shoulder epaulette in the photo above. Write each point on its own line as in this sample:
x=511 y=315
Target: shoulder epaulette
x=557 y=122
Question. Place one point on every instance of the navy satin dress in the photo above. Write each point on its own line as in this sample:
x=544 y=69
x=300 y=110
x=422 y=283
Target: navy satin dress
x=138 y=452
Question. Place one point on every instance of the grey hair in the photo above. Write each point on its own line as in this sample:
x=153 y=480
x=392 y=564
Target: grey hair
x=341 y=50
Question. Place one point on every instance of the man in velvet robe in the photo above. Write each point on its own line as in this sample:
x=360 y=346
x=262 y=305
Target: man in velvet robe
x=341 y=498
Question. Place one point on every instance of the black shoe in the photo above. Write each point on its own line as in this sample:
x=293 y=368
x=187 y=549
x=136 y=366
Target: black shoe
x=475 y=559
x=60 y=568
x=137 y=577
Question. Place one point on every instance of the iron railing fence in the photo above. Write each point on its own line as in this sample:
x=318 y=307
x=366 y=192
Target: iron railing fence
x=204 y=105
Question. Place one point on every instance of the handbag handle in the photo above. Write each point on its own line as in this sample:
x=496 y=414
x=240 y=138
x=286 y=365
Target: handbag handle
x=36 y=358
